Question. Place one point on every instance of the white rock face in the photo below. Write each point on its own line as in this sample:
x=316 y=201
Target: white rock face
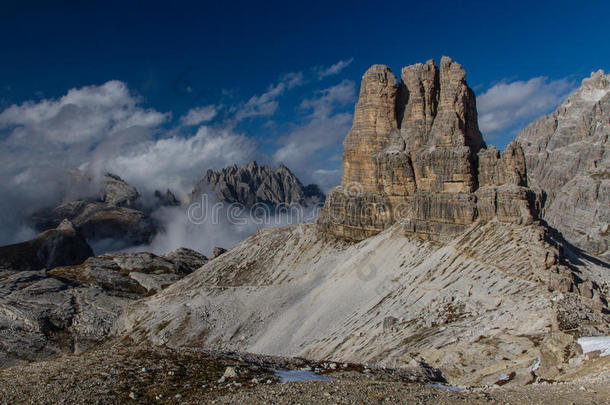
x=479 y=307
x=594 y=343
x=568 y=157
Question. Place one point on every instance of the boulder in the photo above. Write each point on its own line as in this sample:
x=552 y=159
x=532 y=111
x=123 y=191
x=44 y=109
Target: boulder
x=71 y=308
x=115 y=213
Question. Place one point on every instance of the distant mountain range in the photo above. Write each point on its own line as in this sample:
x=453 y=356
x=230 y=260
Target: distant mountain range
x=118 y=212
x=253 y=184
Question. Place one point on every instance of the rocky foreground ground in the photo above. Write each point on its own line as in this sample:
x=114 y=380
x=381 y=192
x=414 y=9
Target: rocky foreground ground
x=121 y=374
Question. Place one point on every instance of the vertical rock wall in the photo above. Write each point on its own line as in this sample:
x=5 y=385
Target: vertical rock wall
x=413 y=153
x=568 y=159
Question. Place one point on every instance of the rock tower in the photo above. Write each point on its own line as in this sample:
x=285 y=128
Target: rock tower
x=415 y=153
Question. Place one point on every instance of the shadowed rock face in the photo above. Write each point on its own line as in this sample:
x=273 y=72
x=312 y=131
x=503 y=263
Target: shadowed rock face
x=568 y=160
x=415 y=152
x=251 y=184
x=116 y=213
x=61 y=246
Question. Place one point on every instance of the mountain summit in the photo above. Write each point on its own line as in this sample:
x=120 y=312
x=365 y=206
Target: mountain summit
x=252 y=184
x=415 y=152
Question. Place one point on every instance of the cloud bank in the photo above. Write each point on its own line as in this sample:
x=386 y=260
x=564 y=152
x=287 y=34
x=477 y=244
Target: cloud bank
x=106 y=128
x=102 y=129
x=508 y=105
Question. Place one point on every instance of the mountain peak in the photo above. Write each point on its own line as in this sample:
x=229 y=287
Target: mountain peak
x=251 y=184
x=568 y=160
x=415 y=153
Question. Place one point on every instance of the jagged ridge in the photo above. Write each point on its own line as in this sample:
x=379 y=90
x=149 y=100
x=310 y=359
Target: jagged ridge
x=252 y=184
x=568 y=160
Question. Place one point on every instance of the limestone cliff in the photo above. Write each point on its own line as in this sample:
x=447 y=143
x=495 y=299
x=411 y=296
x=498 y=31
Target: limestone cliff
x=568 y=160
x=415 y=152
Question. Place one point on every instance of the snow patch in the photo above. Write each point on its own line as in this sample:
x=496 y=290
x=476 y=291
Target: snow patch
x=593 y=343
x=536 y=365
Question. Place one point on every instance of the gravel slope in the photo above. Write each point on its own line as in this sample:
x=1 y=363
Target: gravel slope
x=119 y=374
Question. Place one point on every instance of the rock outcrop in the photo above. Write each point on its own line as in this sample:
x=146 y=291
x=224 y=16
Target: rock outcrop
x=503 y=191
x=415 y=152
x=568 y=162
x=253 y=184
x=115 y=213
x=69 y=309
x=167 y=199
x=61 y=246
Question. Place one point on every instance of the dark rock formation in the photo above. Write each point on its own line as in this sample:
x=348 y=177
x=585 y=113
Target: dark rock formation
x=415 y=152
x=252 y=184
x=167 y=199
x=568 y=162
x=72 y=308
x=186 y=259
x=217 y=252
x=61 y=246
x=115 y=214
x=139 y=273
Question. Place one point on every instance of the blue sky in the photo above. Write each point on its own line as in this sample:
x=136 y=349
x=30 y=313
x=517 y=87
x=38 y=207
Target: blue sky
x=161 y=92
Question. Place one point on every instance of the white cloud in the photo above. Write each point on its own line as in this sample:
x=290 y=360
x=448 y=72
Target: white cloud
x=87 y=114
x=334 y=69
x=106 y=128
x=329 y=98
x=327 y=179
x=100 y=128
x=323 y=129
x=508 y=104
x=199 y=115
x=45 y=138
x=266 y=104
x=178 y=162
